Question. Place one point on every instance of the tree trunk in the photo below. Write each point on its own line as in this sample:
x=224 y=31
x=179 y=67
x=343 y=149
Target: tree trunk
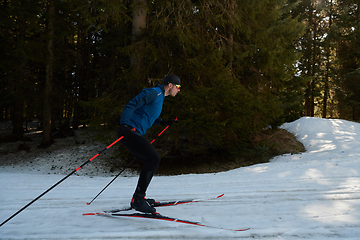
x=79 y=74
x=17 y=119
x=230 y=36
x=138 y=26
x=309 y=93
x=356 y=108
x=18 y=104
x=328 y=49
x=47 y=139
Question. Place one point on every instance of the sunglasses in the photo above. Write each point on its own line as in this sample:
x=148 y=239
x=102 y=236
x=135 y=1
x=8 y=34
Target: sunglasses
x=177 y=86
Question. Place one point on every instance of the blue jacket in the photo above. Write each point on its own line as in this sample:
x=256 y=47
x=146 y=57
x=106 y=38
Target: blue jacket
x=144 y=110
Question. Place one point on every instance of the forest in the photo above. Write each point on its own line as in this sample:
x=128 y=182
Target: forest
x=244 y=65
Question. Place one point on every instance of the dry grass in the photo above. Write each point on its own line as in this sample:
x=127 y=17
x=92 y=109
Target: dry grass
x=264 y=146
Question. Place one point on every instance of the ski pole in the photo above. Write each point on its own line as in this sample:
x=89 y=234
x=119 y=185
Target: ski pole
x=88 y=203
x=53 y=186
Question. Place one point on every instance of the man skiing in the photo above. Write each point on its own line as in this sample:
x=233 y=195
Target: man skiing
x=138 y=116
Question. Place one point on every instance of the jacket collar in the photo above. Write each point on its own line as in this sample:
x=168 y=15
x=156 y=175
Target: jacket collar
x=161 y=87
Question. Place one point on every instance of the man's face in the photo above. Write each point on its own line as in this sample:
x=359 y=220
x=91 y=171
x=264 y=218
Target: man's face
x=174 y=89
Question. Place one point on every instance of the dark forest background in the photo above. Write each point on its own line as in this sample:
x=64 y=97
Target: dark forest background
x=245 y=66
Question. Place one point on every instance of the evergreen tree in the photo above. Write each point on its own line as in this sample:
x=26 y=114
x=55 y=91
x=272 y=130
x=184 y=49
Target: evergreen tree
x=235 y=58
x=21 y=30
x=310 y=47
x=349 y=60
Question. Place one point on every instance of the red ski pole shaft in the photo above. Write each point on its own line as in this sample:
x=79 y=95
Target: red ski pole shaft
x=159 y=134
x=63 y=179
x=162 y=132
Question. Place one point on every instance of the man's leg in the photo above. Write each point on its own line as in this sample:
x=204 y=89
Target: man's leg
x=141 y=148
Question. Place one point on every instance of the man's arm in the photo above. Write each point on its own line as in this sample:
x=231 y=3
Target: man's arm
x=145 y=97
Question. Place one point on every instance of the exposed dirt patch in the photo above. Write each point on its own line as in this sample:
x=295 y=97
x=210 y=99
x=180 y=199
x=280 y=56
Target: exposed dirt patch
x=66 y=154
x=264 y=146
x=62 y=157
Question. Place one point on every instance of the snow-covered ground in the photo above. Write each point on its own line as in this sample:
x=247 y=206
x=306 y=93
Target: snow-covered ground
x=314 y=195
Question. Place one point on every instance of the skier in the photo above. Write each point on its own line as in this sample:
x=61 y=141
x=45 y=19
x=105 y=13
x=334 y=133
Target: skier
x=138 y=116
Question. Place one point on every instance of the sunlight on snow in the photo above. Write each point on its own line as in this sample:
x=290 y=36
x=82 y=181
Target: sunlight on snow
x=339 y=206
x=304 y=137
x=325 y=145
x=258 y=169
x=285 y=174
x=331 y=212
x=320 y=135
x=344 y=135
x=350 y=186
x=315 y=175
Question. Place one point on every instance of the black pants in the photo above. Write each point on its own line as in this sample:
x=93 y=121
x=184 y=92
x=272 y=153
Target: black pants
x=141 y=148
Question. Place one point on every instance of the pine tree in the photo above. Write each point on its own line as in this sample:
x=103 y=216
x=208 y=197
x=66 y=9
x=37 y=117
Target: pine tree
x=234 y=69
x=349 y=60
x=20 y=62
x=310 y=47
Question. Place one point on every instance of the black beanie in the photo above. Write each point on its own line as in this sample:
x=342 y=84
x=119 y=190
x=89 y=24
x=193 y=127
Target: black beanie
x=171 y=78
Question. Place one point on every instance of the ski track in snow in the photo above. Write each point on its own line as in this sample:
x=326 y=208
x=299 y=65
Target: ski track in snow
x=314 y=195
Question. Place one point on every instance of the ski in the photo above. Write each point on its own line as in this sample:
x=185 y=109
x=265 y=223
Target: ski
x=165 y=204
x=158 y=216
x=172 y=203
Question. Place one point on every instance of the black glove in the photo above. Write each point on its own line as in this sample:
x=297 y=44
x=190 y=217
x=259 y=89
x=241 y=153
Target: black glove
x=169 y=122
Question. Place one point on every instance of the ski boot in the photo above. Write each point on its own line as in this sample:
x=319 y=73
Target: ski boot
x=139 y=203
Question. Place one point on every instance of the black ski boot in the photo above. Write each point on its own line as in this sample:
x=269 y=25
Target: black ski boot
x=139 y=203
x=150 y=201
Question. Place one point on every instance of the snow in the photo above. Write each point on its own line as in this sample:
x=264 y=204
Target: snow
x=313 y=195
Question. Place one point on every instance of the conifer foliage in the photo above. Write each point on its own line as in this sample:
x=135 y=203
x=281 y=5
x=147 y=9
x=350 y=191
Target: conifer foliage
x=243 y=64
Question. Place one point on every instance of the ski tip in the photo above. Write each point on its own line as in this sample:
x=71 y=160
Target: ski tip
x=220 y=195
x=103 y=214
x=88 y=214
x=240 y=230
x=87 y=203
